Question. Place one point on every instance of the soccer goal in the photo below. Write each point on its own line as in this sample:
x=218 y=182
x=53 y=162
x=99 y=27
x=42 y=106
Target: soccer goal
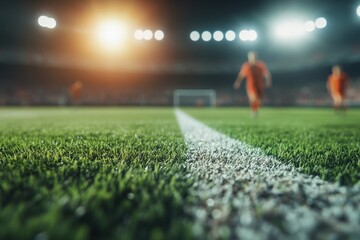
x=194 y=97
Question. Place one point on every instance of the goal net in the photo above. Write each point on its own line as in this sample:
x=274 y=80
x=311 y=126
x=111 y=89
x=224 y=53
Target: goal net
x=194 y=97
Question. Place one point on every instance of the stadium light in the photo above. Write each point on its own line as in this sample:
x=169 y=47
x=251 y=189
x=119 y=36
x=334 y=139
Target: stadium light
x=139 y=34
x=148 y=34
x=230 y=35
x=248 y=35
x=320 y=23
x=309 y=26
x=206 y=36
x=358 y=10
x=252 y=35
x=194 y=36
x=244 y=35
x=111 y=33
x=47 y=22
x=51 y=23
x=42 y=21
x=159 y=35
x=218 y=36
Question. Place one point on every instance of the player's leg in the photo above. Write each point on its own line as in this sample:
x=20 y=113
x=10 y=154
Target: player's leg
x=255 y=102
x=342 y=102
x=337 y=101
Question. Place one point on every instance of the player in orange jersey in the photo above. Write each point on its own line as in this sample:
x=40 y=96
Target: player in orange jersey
x=336 y=86
x=75 y=92
x=255 y=72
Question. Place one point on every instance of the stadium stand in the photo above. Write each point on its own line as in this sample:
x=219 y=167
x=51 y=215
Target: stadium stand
x=30 y=85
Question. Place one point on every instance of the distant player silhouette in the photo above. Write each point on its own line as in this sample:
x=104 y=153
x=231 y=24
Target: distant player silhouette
x=75 y=92
x=336 y=85
x=255 y=72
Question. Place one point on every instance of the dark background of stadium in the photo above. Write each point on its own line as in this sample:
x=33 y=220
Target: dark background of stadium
x=38 y=66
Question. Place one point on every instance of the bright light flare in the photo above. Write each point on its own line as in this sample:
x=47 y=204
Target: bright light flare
x=47 y=22
x=111 y=33
x=309 y=26
x=194 y=36
x=230 y=35
x=206 y=36
x=320 y=23
x=290 y=30
x=358 y=10
x=159 y=35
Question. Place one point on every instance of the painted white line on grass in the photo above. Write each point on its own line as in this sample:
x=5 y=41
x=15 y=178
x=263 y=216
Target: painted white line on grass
x=243 y=193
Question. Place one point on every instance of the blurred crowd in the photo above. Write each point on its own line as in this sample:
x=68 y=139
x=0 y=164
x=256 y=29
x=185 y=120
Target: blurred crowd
x=62 y=88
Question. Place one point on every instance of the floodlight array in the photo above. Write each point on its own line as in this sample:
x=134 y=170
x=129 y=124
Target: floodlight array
x=206 y=36
x=47 y=22
x=293 y=29
x=148 y=35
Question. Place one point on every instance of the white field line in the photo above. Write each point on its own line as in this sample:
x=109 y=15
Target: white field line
x=244 y=194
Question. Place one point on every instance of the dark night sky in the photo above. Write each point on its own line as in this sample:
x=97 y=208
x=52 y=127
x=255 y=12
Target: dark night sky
x=17 y=16
x=19 y=30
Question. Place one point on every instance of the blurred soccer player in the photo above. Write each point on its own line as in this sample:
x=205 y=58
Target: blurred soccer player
x=336 y=86
x=75 y=92
x=255 y=72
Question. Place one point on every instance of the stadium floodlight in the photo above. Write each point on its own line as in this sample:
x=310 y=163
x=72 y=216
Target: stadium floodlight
x=51 y=23
x=290 y=30
x=248 y=35
x=244 y=35
x=47 y=22
x=43 y=21
x=320 y=23
x=218 y=36
x=148 y=34
x=358 y=10
x=194 y=36
x=139 y=34
x=194 y=97
x=111 y=33
x=159 y=35
x=230 y=35
x=206 y=36
x=252 y=35
x=309 y=26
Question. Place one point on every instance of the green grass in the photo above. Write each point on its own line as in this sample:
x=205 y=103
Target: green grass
x=110 y=173
x=316 y=140
x=92 y=173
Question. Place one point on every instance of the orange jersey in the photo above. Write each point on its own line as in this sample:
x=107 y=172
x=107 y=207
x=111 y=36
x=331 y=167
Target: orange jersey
x=337 y=83
x=254 y=74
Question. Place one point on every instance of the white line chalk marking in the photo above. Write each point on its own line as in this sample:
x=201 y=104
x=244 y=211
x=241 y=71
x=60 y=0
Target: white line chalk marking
x=246 y=194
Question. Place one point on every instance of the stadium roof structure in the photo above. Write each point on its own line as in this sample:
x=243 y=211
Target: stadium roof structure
x=22 y=41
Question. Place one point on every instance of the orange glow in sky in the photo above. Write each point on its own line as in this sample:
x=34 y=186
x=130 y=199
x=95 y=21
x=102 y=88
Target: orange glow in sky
x=111 y=34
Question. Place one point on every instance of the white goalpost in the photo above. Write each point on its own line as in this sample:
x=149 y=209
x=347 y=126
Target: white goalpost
x=194 y=97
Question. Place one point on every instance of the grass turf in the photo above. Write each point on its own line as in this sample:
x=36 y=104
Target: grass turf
x=109 y=173
x=315 y=140
x=92 y=173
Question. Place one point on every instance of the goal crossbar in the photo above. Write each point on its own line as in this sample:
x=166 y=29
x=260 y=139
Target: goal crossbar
x=193 y=93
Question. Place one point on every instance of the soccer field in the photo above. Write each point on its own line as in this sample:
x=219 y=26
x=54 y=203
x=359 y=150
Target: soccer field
x=99 y=173
x=316 y=140
x=79 y=173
